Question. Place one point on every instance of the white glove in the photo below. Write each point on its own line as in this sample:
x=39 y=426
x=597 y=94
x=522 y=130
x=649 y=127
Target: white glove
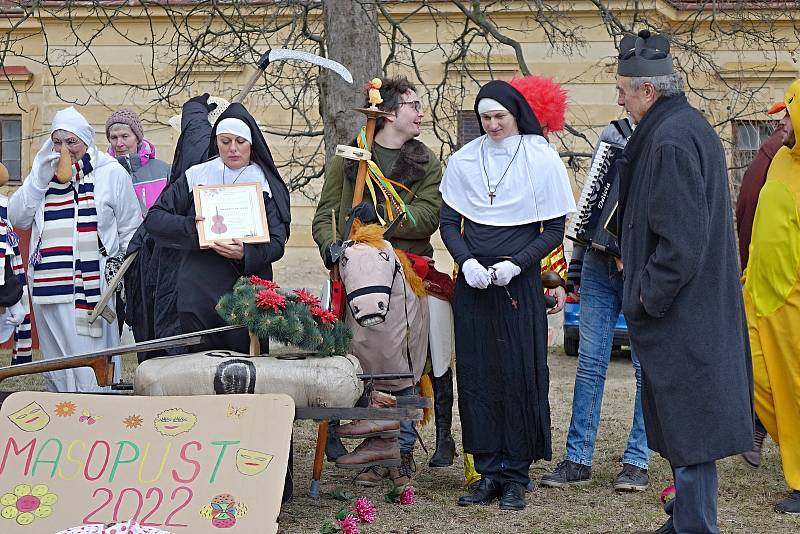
x=476 y=274
x=16 y=314
x=46 y=169
x=504 y=272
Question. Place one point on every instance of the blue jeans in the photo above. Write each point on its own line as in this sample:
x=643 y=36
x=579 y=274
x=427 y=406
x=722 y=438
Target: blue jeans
x=601 y=299
x=408 y=436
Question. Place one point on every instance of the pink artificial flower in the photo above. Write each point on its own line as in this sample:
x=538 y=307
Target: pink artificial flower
x=270 y=299
x=667 y=493
x=407 y=496
x=258 y=281
x=349 y=525
x=306 y=298
x=364 y=510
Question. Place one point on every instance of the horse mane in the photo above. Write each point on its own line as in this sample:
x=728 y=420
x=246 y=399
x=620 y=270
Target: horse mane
x=413 y=279
x=367 y=234
x=372 y=235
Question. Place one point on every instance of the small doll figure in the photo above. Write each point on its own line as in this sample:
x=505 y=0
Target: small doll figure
x=374 y=93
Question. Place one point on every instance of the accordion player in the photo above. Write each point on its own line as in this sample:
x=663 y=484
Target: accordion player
x=595 y=222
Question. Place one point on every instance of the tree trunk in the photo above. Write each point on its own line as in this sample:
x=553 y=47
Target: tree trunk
x=351 y=38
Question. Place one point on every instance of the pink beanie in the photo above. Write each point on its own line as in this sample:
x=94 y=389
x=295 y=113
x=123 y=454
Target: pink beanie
x=128 y=118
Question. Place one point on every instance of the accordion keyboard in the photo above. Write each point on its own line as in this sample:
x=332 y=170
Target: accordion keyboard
x=594 y=193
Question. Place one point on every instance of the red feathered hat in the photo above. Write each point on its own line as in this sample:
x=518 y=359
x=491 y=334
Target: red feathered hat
x=547 y=99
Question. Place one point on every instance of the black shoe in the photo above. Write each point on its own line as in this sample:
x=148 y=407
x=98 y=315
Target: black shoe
x=513 y=497
x=789 y=505
x=568 y=473
x=631 y=478
x=443 y=414
x=485 y=491
x=666 y=528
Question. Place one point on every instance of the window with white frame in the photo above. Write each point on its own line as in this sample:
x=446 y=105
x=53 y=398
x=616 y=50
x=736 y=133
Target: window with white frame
x=11 y=146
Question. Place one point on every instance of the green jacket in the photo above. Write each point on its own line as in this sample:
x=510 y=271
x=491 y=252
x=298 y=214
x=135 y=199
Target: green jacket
x=416 y=167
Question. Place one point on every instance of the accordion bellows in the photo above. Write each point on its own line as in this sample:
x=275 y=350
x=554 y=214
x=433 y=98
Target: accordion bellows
x=313 y=381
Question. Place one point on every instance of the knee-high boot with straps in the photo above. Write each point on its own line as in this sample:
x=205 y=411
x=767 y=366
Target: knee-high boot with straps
x=443 y=413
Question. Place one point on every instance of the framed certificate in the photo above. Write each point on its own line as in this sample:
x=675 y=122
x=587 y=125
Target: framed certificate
x=230 y=211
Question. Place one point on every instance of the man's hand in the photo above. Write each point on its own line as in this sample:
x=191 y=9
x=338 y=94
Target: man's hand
x=560 y=295
x=476 y=274
x=504 y=272
x=233 y=250
x=16 y=314
x=618 y=262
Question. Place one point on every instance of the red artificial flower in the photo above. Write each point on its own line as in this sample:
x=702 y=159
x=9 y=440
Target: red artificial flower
x=327 y=317
x=364 y=510
x=349 y=525
x=270 y=299
x=407 y=497
x=258 y=281
x=306 y=298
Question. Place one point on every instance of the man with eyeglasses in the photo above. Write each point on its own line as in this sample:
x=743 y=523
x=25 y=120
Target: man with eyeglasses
x=77 y=225
x=403 y=159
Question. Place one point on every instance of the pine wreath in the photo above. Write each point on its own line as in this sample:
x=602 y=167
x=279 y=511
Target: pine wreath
x=291 y=316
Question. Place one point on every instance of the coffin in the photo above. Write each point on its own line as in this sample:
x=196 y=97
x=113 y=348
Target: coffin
x=311 y=381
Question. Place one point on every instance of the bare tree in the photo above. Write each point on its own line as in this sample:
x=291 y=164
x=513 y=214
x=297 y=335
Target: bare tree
x=716 y=44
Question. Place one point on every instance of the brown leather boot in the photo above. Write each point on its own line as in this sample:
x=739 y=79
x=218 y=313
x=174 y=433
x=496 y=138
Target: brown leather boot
x=372 y=476
x=367 y=428
x=753 y=456
x=372 y=451
x=404 y=475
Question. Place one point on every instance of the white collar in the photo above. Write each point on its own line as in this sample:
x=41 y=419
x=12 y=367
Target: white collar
x=535 y=186
x=215 y=172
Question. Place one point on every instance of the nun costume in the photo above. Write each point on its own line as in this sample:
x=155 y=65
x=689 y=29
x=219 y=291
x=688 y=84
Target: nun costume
x=505 y=197
x=205 y=275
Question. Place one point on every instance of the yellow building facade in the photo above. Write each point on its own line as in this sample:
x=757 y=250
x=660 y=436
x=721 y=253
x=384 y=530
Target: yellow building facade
x=101 y=56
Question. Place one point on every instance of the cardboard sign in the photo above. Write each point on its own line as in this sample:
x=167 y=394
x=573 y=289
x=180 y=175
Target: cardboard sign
x=199 y=465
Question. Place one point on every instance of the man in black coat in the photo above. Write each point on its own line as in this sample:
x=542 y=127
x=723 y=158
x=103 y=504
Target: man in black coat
x=682 y=298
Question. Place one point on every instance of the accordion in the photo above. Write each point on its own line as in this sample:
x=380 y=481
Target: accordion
x=595 y=223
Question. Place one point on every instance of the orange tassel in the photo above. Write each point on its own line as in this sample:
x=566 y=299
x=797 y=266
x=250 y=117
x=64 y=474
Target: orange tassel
x=426 y=390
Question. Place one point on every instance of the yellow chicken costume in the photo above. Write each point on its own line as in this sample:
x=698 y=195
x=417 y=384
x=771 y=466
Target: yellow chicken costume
x=772 y=298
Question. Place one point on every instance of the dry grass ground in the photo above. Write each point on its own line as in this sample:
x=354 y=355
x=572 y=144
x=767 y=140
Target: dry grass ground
x=745 y=502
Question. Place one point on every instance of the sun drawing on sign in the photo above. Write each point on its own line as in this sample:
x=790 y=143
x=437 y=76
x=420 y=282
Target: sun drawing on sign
x=235 y=412
x=133 y=421
x=27 y=503
x=65 y=409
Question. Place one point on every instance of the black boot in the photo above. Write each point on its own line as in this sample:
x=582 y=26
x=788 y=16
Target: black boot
x=443 y=413
x=333 y=445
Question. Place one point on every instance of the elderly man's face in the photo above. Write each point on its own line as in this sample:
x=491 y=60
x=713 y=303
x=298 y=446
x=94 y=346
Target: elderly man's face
x=636 y=103
x=76 y=147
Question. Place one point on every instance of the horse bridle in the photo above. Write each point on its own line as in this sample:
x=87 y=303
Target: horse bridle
x=368 y=290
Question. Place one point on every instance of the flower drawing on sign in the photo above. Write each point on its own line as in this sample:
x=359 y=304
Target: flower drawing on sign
x=87 y=418
x=174 y=421
x=133 y=421
x=26 y=503
x=223 y=511
x=65 y=409
x=31 y=418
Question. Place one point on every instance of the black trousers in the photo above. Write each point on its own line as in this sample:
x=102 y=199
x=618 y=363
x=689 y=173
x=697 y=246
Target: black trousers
x=502 y=469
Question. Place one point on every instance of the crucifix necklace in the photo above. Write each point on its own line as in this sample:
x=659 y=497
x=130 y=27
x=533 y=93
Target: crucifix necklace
x=493 y=192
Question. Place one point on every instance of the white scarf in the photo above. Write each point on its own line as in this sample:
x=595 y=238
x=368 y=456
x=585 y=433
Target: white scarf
x=535 y=187
x=215 y=172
